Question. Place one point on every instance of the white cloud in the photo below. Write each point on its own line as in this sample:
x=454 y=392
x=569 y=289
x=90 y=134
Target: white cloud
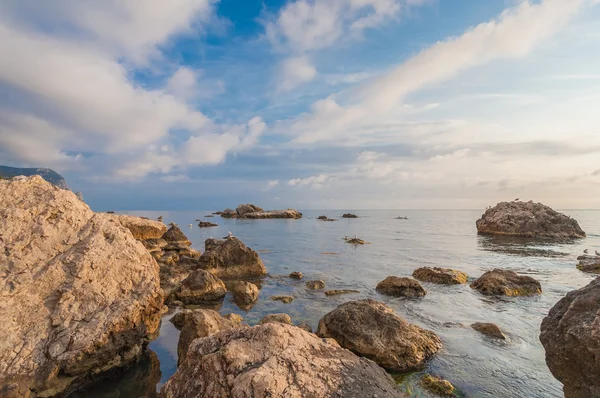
x=294 y=72
x=175 y=178
x=272 y=184
x=317 y=181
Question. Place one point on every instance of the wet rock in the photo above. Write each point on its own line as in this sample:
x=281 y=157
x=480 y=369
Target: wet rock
x=349 y=215
x=142 y=228
x=284 y=299
x=437 y=386
x=289 y=213
x=178 y=319
x=244 y=209
x=207 y=224
x=82 y=300
x=315 y=285
x=244 y=293
x=201 y=323
x=528 y=219
x=570 y=337
x=296 y=275
x=277 y=318
x=589 y=264
x=201 y=286
x=355 y=241
x=400 y=287
x=322 y=218
x=489 y=329
x=279 y=361
x=444 y=276
x=500 y=282
x=337 y=292
x=372 y=329
x=228 y=213
x=230 y=258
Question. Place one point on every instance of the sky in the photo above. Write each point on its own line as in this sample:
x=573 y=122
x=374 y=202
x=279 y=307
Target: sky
x=310 y=104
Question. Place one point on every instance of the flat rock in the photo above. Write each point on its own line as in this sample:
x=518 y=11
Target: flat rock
x=355 y=241
x=201 y=286
x=277 y=318
x=84 y=299
x=500 y=282
x=230 y=258
x=244 y=293
x=289 y=213
x=490 y=329
x=337 y=292
x=528 y=219
x=315 y=285
x=296 y=275
x=207 y=224
x=373 y=330
x=284 y=299
x=278 y=361
x=444 y=276
x=570 y=337
x=589 y=264
x=349 y=215
x=400 y=287
x=142 y=228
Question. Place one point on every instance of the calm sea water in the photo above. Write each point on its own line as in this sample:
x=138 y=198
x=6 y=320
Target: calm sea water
x=476 y=365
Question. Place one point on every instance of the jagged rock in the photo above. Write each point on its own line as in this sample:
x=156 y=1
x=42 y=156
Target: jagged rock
x=590 y=264
x=277 y=318
x=337 y=292
x=372 y=329
x=176 y=239
x=284 y=299
x=289 y=213
x=500 y=282
x=244 y=209
x=230 y=258
x=349 y=215
x=437 y=386
x=155 y=245
x=82 y=299
x=207 y=224
x=443 y=276
x=489 y=329
x=201 y=323
x=279 y=361
x=141 y=228
x=296 y=275
x=315 y=285
x=201 y=286
x=528 y=219
x=400 y=287
x=305 y=327
x=228 y=213
x=570 y=337
x=244 y=293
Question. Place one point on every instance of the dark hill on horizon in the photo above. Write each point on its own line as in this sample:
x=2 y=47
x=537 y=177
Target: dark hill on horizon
x=47 y=174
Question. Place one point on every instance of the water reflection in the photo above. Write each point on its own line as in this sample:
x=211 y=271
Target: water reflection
x=520 y=246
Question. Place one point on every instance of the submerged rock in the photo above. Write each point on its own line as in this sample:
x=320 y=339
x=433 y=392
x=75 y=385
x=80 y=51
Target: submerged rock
x=276 y=318
x=284 y=299
x=528 y=219
x=82 y=300
x=349 y=215
x=400 y=287
x=373 y=330
x=438 y=386
x=570 y=337
x=244 y=293
x=337 y=292
x=230 y=258
x=296 y=275
x=201 y=286
x=279 y=361
x=589 y=264
x=315 y=285
x=489 y=329
x=207 y=224
x=501 y=282
x=444 y=276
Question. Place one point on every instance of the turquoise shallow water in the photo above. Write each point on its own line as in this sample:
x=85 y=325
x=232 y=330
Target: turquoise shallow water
x=477 y=366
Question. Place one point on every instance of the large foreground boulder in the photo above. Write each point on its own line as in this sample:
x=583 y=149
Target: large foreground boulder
x=276 y=361
x=79 y=294
x=570 y=337
x=230 y=258
x=528 y=219
x=372 y=329
x=501 y=282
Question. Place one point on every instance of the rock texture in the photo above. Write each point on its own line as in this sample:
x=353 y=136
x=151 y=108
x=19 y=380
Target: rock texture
x=283 y=299
x=78 y=294
x=201 y=323
x=289 y=213
x=501 y=282
x=175 y=238
x=528 y=219
x=207 y=224
x=277 y=318
x=444 y=276
x=142 y=228
x=440 y=387
x=201 y=286
x=47 y=174
x=244 y=209
x=570 y=337
x=296 y=275
x=590 y=264
x=228 y=213
x=372 y=329
x=400 y=287
x=337 y=292
x=489 y=329
x=244 y=293
x=230 y=258
x=315 y=285
x=279 y=361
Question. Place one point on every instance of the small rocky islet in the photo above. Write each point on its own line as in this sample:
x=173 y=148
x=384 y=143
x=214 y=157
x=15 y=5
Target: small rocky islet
x=90 y=294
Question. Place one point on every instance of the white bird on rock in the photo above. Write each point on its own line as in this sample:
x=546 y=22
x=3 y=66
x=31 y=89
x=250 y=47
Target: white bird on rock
x=597 y=254
x=229 y=234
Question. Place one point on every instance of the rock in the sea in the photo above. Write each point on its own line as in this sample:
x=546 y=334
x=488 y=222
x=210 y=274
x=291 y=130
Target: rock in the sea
x=322 y=218
x=400 y=287
x=444 y=276
x=349 y=215
x=437 y=386
x=278 y=361
x=228 y=213
x=589 y=264
x=337 y=292
x=244 y=293
x=372 y=329
x=230 y=258
x=201 y=286
x=79 y=294
x=315 y=285
x=283 y=299
x=201 y=323
x=296 y=275
x=289 y=213
x=490 y=329
x=501 y=282
x=276 y=318
x=528 y=219
x=142 y=228
x=244 y=209
x=207 y=224
x=570 y=337
x=176 y=239
x=355 y=241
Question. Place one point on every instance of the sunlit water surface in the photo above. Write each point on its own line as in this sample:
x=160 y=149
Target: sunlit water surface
x=476 y=365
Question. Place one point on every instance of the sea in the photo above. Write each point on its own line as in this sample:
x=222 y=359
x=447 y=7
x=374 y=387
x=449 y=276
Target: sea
x=478 y=366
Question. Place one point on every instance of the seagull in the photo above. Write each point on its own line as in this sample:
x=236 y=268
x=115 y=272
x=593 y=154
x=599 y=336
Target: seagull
x=586 y=251
x=229 y=234
x=517 y=199
x=191 y=225
x=597 y=254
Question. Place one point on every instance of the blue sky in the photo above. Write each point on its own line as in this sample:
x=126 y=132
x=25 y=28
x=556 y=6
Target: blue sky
x=313 y=104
